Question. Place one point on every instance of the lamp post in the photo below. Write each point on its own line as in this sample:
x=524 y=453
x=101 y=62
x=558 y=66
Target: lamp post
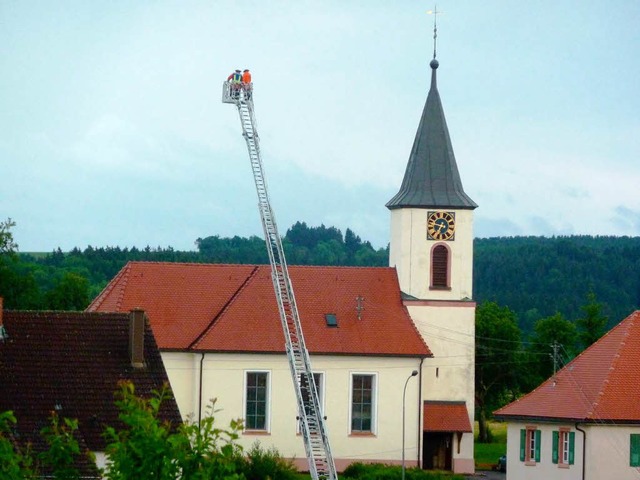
x=404 y=392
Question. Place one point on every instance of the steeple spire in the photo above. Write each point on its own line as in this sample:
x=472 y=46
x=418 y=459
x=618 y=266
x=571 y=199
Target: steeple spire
x=431 y=178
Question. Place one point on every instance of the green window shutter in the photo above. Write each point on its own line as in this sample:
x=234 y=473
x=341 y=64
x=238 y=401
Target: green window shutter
x=635 y=450
x=554 y=450
x=523 y=443
x=537 y=445
x=572 y=443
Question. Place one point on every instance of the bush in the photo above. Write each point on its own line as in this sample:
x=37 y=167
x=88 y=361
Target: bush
x=267 y=464
x=376 y=471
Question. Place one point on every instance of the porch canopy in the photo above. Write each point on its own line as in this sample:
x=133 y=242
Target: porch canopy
x=446 y=416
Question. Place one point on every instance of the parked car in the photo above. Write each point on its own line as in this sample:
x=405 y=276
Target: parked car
x=502 y=464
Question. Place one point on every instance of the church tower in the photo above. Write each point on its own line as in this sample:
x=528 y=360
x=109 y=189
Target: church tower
x=431 y=248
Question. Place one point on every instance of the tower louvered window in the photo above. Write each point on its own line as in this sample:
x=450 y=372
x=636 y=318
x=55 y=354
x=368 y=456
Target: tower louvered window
x=440 y=267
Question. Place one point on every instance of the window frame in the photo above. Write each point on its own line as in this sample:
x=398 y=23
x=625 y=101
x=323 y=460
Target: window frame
x=530 y=445
x=267 y=421
x=447 y=274
x=321 y=396
x=563 y=447
x=634 y=450
x=374 y=403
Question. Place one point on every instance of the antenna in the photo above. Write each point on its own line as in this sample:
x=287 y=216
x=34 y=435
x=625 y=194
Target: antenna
x=435 y=12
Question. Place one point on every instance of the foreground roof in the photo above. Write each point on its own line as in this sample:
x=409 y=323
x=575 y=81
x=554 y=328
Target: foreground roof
x=71 y=363
x=432 y=178
x=232 y=308
x=600 y=385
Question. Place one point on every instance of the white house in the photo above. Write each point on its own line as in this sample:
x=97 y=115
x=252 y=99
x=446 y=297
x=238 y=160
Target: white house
x=584 y=422
x=366 y=329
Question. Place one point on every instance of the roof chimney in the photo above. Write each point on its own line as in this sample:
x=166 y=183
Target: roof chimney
x=137 y=320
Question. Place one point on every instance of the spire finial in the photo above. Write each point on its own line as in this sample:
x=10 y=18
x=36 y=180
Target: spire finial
x=435 y=12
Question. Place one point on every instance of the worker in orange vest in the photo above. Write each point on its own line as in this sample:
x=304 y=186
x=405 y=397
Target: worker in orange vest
x=246 y=82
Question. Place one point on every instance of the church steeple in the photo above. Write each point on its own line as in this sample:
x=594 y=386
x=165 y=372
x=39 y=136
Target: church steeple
x=431 y=179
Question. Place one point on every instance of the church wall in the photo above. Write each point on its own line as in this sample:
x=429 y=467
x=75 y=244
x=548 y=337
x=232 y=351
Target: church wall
x=449 y=330
x=224 y=376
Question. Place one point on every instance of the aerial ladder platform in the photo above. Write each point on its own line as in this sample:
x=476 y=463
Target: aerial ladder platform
x=312 y=422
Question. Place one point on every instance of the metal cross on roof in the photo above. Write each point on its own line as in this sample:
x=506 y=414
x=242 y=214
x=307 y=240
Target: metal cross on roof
x=435 y=12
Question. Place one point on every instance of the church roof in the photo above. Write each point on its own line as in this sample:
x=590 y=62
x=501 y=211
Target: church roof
x=599 y=385
x=232 y=308
x=431 y=179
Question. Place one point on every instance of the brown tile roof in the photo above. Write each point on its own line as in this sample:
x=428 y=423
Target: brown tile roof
x=233 y=308
x=601 y=384
x=73 y=361
x=445 y=416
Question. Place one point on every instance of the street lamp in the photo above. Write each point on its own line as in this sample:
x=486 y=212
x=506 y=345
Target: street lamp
x=404 y=392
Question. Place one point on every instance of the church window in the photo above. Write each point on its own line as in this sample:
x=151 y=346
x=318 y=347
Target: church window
x=363 y=403
x=257 y=401
x=318 y=380
x=440 y=265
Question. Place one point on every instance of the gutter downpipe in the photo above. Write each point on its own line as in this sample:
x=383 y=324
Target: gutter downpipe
x=419 y=452
x=200 y=390
x=584 y=451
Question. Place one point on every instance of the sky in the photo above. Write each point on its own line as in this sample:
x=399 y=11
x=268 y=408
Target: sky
x=112 y=130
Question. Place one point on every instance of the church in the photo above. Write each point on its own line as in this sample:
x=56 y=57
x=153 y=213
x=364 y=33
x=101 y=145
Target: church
x=392 y=349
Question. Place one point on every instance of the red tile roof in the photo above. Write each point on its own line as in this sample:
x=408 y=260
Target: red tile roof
x=233 y=308
x=601 y=384
x=445 y=416
x=73 y=361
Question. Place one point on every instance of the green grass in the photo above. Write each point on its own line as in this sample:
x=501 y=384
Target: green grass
x=486 y=454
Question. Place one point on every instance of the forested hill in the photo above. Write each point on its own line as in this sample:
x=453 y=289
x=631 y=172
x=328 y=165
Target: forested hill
x=535 y=277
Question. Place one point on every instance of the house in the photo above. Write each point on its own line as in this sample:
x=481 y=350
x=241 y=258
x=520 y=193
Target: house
x=71 y=363
x=366 y=329
x=584 y=422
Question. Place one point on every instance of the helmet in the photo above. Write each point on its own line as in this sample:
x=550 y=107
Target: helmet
x=237 y=69
x=246 y=69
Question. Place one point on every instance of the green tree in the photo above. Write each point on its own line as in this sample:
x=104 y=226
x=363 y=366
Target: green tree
x=553 y=343
x=7 y=244
x=498 y=351
x=141 y=449
x=14 y=463
x=63 y=450
x=70 y=292
x=592 y=325
x=148 y=448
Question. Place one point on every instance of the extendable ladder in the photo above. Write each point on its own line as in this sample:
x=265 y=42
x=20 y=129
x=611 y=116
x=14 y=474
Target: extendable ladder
x=312 y=424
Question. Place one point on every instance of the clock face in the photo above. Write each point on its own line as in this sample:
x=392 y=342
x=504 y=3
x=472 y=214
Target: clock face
x=441 y=225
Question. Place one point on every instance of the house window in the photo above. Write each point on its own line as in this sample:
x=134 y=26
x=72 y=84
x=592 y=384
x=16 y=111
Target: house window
x=634 y=459
x=306 y=393
x=562 y=451
x=363 y=403
x=257 y=401
x=530 y=445
x=440 y=266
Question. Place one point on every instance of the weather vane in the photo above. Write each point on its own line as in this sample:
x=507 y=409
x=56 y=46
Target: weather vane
x=435 y=12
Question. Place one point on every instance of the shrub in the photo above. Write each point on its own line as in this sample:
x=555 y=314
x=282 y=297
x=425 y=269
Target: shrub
x=267 y=464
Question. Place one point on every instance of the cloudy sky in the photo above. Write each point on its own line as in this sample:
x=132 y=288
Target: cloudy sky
x=112 y=131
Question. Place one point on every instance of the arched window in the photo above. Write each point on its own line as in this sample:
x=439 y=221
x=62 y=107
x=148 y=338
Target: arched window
x=440 y=267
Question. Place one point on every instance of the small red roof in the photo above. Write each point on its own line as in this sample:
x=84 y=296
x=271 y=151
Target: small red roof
x=445 y=416
x=600 y=384
x=232 y=308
